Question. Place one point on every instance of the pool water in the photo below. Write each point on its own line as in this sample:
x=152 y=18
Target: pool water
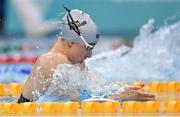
x=154 y=57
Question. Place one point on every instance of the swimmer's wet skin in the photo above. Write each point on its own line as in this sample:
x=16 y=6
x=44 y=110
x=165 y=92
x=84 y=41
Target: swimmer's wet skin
x=79 y=35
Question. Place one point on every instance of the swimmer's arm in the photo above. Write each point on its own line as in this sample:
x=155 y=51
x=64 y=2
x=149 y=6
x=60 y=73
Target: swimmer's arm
x=133 y=93
x=33 y=81
x=43 y=71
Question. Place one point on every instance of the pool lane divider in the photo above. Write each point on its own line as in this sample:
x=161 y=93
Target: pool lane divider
x=14 y=89
x=163 y=90
x=8 y=60
x=92 y=108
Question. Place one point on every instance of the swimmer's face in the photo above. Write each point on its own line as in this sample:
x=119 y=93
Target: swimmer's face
x=78 y=53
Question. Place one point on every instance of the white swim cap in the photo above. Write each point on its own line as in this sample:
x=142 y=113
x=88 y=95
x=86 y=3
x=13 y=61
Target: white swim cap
x=85 y=24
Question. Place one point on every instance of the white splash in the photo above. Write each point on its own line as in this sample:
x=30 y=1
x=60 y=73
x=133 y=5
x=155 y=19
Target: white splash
x=154 y=57
x=70 y=83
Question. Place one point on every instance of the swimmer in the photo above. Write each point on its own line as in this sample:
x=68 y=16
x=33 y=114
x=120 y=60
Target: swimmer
x=79 y=36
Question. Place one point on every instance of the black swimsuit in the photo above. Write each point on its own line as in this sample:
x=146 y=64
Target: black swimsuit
x=23 y=99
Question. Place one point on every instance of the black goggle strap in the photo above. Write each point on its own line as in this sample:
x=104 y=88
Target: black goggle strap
x=72 y=24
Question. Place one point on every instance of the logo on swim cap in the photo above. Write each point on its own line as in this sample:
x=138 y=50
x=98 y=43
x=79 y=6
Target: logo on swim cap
x=78 y=24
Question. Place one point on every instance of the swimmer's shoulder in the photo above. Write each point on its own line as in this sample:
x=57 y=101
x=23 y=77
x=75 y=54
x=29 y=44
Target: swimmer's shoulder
x=50 y=60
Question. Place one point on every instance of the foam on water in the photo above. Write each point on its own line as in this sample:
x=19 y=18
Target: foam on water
x=154 y=57
x=70 y=83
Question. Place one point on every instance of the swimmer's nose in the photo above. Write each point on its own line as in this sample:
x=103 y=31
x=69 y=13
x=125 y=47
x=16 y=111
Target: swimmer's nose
x=89 y=54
